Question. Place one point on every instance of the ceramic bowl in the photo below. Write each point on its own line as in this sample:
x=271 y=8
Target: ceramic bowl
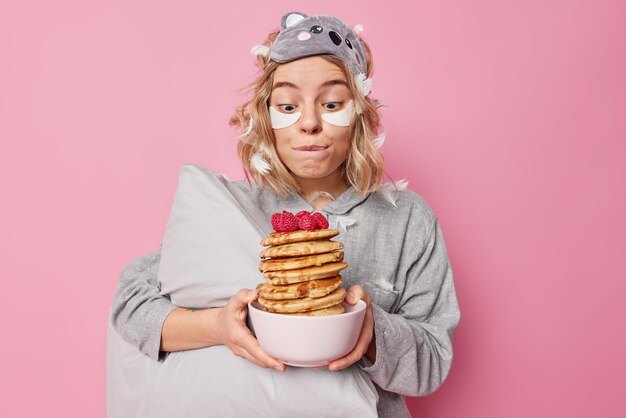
x=307 y=341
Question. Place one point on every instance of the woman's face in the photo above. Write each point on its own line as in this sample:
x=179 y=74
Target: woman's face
x=314 y=144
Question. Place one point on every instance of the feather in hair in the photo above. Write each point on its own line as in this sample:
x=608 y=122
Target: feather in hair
x=357 y=108
x=260 y=50
x=379 y=140
x=259 y=164
x=389 y=190
x=364 y=84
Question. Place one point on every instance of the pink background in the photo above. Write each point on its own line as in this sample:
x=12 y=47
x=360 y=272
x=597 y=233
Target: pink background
x=508 y=117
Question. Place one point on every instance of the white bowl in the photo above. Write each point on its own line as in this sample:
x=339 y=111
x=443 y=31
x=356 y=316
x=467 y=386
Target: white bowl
x=307 y=341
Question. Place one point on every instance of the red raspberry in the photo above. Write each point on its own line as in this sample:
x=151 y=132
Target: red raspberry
x=276 y=221
x=321 y=221
x=307 y=222
x=288 y=222
x=302 y=213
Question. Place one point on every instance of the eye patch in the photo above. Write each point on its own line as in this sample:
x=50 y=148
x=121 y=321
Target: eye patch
x=281 y=120
x=341 y=117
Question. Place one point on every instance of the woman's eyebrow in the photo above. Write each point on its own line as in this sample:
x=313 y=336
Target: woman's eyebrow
x=285 y=84
x=334 y=82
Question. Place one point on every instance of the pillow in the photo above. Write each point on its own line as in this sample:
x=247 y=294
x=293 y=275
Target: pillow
x=213 y=382
x=212 y=241
x=211 y=250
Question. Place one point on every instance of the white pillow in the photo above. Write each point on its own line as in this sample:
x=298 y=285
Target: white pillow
x=211 y=250
x=212 y=242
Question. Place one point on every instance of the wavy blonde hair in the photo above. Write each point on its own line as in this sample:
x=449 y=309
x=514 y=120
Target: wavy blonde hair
x=363 y=169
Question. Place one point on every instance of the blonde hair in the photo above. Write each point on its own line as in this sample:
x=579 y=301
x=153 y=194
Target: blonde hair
x=363 y=168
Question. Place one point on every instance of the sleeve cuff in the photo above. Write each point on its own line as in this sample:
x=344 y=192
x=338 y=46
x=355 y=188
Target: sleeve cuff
x=380 y=322
x=153 y=345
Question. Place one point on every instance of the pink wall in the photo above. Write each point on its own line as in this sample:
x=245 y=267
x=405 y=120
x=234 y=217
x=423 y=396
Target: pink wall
x=508 y=117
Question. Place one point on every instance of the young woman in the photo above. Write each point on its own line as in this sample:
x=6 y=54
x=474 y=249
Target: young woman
x=310 y=144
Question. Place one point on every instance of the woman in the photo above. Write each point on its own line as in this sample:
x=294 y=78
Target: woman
x=310 y=144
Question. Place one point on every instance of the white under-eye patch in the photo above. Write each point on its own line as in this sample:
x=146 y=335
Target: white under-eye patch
x=282 y=120
x=341 y=117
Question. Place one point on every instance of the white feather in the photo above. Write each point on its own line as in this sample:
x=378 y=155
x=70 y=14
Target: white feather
x=364 y=84
x=317 y=194
x=379 y=140
x=344 y=222
x=248 y=129
x=357 y=108
x=358 y=28
x=401 y=185
x=390 y=190
x=260 y=50
x=259 y=164
x=382 y=283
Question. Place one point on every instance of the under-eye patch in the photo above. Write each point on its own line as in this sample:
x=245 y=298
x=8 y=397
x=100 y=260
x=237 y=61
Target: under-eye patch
x=282 y=120
x=341 y=117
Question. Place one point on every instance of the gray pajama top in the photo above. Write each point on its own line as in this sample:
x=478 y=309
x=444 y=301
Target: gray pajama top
x=395 y=252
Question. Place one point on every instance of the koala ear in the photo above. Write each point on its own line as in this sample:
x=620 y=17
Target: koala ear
x=291 y=19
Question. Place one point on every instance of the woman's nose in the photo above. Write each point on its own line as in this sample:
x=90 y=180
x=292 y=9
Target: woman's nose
x=310 y=121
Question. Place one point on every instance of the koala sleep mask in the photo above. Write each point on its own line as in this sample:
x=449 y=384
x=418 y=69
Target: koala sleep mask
x=302 y=36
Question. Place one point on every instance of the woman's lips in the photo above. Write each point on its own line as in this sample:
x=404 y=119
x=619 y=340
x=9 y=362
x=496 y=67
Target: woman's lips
x=311 y=148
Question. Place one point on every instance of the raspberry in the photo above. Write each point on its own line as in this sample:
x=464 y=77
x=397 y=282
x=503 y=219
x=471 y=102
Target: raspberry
x=276 y=221
x=307 y=222
x=302 y=213
x=321 y=221
x=288 y=222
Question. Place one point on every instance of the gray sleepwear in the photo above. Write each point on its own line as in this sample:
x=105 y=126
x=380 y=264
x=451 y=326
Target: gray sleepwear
x=396 y=252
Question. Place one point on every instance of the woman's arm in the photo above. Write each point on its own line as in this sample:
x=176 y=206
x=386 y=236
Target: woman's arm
x=414 y=345
x=138 y=310
x=151 y=322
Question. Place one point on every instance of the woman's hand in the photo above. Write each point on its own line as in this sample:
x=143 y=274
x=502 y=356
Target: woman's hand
x=366 y=344
x=231 y=331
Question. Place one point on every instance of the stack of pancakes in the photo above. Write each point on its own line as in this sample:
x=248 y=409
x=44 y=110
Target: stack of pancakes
x=302 y=271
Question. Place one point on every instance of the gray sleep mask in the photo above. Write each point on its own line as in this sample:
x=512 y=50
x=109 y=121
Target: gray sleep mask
x=302 y=36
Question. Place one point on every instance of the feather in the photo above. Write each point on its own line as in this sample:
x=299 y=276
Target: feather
x=316 y=195
x=260 y=50
x=382 y=283
x=248 y=129
x=259 y=164
x=344 y=222
x=379 y=140
x=357 y=108
x=379 y=104
x=389 y=190
x=358 y=28
x=364 y=84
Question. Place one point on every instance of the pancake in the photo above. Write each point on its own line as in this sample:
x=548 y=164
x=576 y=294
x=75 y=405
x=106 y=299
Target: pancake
x=331 y=310
x=302 y=248
x=276 y=264
x=303 y=304
x=279 y=238
x=305 y=274
x=311 y=289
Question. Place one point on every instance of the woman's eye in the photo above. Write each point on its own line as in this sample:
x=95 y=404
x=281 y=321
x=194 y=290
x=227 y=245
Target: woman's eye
x=287 y=108
x=332 y=105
